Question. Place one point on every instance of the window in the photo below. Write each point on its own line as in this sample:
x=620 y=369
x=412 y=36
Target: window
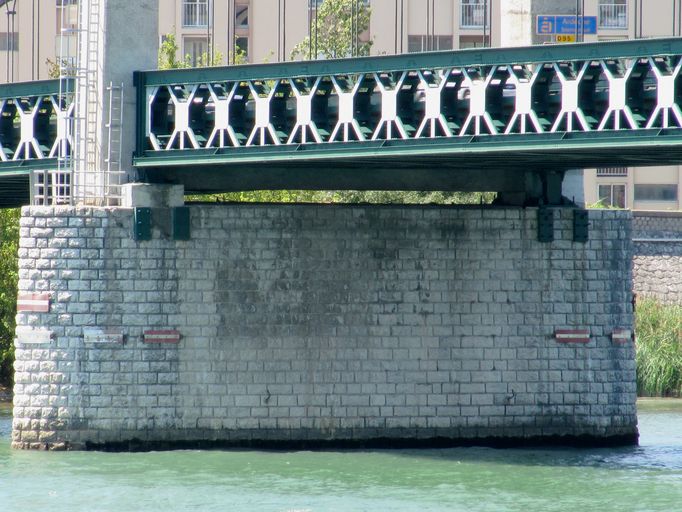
x=241 y=16
x=242 y=45
x=612 y=171
x=613 y=14
x=471 y=42
x=421 y=43
x=195 y=48
x=318 y=3
x=612 y=194
x=648 y=192
x=67 y=15
x=9 y=41
x=472 y=13
x=195 y=13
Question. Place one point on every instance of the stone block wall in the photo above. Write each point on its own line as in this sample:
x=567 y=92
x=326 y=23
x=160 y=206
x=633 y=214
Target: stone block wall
x=319 y=323
x=657 y=260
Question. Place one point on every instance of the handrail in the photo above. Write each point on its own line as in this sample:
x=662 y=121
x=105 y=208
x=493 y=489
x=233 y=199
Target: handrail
x=35 y=88
x=427 y=60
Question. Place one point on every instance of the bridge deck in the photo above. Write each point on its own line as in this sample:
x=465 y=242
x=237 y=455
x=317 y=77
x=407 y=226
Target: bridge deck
x=457 y=120
x=445 y=120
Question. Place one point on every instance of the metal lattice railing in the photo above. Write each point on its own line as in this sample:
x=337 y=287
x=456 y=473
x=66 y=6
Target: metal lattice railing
x=35 y=133
x=34 y=121
x=623 y=86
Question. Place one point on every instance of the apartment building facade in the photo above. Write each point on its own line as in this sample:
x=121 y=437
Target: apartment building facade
x=37 y=31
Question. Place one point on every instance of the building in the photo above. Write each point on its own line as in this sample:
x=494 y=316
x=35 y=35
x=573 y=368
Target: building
x=267 y=30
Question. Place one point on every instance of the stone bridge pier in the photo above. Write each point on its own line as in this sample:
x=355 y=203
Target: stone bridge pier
x=314 y=325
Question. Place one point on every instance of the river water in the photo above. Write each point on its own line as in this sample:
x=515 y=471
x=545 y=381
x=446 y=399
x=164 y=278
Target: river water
x=644 y=478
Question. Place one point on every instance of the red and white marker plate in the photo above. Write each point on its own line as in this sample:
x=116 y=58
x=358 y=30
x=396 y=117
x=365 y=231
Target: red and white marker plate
x=162 y=336
x=572 y=335
x=33 y=302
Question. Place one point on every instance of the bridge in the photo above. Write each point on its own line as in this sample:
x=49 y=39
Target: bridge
x=511 y=120
x=154 y=322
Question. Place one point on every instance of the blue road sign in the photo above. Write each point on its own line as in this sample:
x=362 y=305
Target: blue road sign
x=551 y=24
x=546 y=25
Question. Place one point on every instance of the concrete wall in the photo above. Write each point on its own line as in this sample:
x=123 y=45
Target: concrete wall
x=657 y=258
x=323 y=323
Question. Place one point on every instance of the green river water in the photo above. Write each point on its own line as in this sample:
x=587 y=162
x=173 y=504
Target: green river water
x=644 y=478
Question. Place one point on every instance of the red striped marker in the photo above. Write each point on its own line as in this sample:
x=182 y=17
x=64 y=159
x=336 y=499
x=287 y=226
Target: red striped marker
x=621 y=336
x=572 y=335
x=162 y=336
x=33 y=302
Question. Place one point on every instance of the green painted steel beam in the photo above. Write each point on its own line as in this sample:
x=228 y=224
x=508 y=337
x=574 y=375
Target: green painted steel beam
x=413 y=151
x=429 y=60
x=24 y=167
x=464 y=164
x=35 y=88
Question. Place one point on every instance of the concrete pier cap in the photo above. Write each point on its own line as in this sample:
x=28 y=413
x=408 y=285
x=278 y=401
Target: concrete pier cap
x=146 y=195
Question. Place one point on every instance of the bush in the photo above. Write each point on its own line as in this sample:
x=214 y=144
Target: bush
x=659 y=351
x=349 y=196
x=9 y=243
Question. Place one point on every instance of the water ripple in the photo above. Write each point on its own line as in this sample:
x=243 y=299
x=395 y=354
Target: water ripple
x=648 y=477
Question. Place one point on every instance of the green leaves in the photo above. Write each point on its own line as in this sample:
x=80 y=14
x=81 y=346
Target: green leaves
x=349 y=196
x=9 y=246
x=168 y=56
x=659 y=348
x=336 y=29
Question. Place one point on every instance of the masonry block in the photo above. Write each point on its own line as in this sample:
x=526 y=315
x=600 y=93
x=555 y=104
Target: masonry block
x=319 y=322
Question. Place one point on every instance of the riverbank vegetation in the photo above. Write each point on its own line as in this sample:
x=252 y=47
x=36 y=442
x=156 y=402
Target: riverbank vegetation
x=659 y=350
x=9 y=243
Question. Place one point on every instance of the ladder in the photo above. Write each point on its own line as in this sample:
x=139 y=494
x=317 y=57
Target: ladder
x=112 y=161
x=89 y=185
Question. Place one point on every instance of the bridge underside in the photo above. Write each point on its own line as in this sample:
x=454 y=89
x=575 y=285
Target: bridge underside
x=14 y=189
x=477 y=163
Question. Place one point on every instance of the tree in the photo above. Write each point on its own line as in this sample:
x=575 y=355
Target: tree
x=168 y=53
x=169 y=50
x=9 y=245
x=336 y=30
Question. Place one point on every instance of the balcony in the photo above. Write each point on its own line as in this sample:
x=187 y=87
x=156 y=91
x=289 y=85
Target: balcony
x=613 y=16
x=472 y=15
x=195 y=13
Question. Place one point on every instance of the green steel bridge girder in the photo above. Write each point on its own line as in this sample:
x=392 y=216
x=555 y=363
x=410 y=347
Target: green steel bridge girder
x=33 y=115
x=503 y=164
x=617 y=117
x=625 y=111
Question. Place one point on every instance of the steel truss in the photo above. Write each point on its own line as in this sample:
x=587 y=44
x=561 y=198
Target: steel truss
x=572 y=89
x=35 y=120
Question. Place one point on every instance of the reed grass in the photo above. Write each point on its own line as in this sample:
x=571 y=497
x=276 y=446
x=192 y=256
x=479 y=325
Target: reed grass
x=659 y=348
